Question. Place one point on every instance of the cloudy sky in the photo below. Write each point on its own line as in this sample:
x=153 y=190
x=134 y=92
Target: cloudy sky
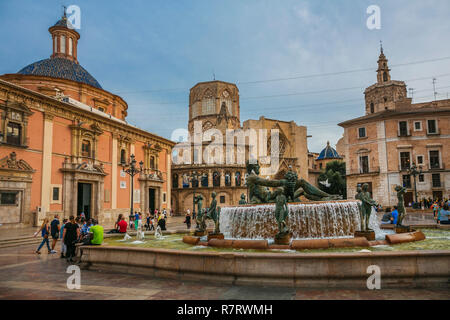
x=307 y=61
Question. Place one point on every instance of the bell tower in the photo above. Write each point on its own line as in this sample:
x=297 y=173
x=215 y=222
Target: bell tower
x=383 y=72
x=215 y=104
x=386 y=93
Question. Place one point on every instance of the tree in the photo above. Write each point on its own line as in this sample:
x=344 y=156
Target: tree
x=334 y=174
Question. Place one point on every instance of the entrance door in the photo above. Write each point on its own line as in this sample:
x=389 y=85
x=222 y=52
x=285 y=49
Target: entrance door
x=437 y=195
x=408 y=198
x=84 y=199
x=151 y=199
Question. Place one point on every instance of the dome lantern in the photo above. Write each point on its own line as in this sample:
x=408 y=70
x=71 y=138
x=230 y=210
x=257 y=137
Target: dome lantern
x=65 y=39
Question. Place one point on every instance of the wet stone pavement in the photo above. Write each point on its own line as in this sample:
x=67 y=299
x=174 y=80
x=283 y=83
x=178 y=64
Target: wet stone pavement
x=25 y=275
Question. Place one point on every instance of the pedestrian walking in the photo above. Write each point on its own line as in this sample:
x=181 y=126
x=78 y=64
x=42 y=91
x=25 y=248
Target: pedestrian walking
x=54 y=231
x=44 y=229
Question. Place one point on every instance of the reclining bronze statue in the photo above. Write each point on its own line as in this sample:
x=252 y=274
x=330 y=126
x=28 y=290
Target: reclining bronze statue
x=293 y=187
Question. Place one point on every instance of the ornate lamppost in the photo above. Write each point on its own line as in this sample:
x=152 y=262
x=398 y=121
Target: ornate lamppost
x=132 y=171
x=414 y=171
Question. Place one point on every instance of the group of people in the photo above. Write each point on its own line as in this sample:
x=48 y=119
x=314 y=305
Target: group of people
x=152 y=220
x=71 y=231
x=441 y=213
x=390 y=216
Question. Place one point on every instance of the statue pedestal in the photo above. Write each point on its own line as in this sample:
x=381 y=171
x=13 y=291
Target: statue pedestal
x=369 y=235
x=283 y=239
x=402 y=229
x=200 y=233
x=215 y=236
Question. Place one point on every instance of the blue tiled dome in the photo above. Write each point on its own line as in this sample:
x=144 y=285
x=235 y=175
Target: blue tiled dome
x=61 y=68
x=329 y=153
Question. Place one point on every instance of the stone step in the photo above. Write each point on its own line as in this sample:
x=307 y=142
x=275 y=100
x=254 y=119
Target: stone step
x=19 y=241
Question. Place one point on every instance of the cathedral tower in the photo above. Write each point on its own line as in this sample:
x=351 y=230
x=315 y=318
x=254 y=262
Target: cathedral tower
x=386 y=92
x=215 y=104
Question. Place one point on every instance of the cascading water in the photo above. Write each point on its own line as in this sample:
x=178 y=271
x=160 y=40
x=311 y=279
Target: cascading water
x=306 y=221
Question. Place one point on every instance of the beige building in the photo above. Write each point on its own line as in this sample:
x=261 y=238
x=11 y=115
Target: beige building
x=215 y=105
x=393 y=135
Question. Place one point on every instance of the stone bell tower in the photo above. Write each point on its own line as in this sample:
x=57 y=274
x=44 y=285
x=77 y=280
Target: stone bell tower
x=215 y=104
x=386 y=93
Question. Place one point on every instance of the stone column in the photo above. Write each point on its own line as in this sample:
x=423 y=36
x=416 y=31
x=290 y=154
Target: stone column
x=233 y=179
x=169 y=181
x=210 y=178
x=114 y=172
x=222 y=178
x=46 y=165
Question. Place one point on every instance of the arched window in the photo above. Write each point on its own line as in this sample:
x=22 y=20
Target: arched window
x=86 y=148
x=123 y=156
x=175 y=181
x=205 y=180
x=237 y=177
x=216 y=179
x=385 y=77
x=228 y=179
x=63 y=44
x=70 y=46
x=194 y=182
x=372 y=108
x=185 y=181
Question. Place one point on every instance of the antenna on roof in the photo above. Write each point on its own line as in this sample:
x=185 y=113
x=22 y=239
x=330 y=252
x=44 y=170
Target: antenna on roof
x=381 y=46
x=434 y=88
x=64 y=11
x=214 y=75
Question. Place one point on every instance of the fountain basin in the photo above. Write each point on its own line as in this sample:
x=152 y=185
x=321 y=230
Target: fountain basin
x=302 y=270
x=309 y=220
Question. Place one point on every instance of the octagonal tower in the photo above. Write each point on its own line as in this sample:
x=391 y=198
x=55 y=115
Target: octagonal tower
x=215 y=104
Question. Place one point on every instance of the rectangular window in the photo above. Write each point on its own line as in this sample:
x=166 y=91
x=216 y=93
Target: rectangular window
x=407 y=181
x=8 y=198
x=55 y=194
x=434 y=160
x=419 y=159
x=222 y=199
x=13 y=133
x=405 y=160
x=362 y=132
x=164 y=197
x=403 y=128
x=421 y=178
x=418 y=126
x=432 y=127
x=436 y=179
x=364 y=164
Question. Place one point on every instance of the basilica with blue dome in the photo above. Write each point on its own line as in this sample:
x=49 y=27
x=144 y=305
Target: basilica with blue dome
x=65 y=143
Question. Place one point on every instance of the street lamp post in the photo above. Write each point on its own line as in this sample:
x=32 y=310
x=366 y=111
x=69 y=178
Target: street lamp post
x=414 y=171
x=132 y=171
